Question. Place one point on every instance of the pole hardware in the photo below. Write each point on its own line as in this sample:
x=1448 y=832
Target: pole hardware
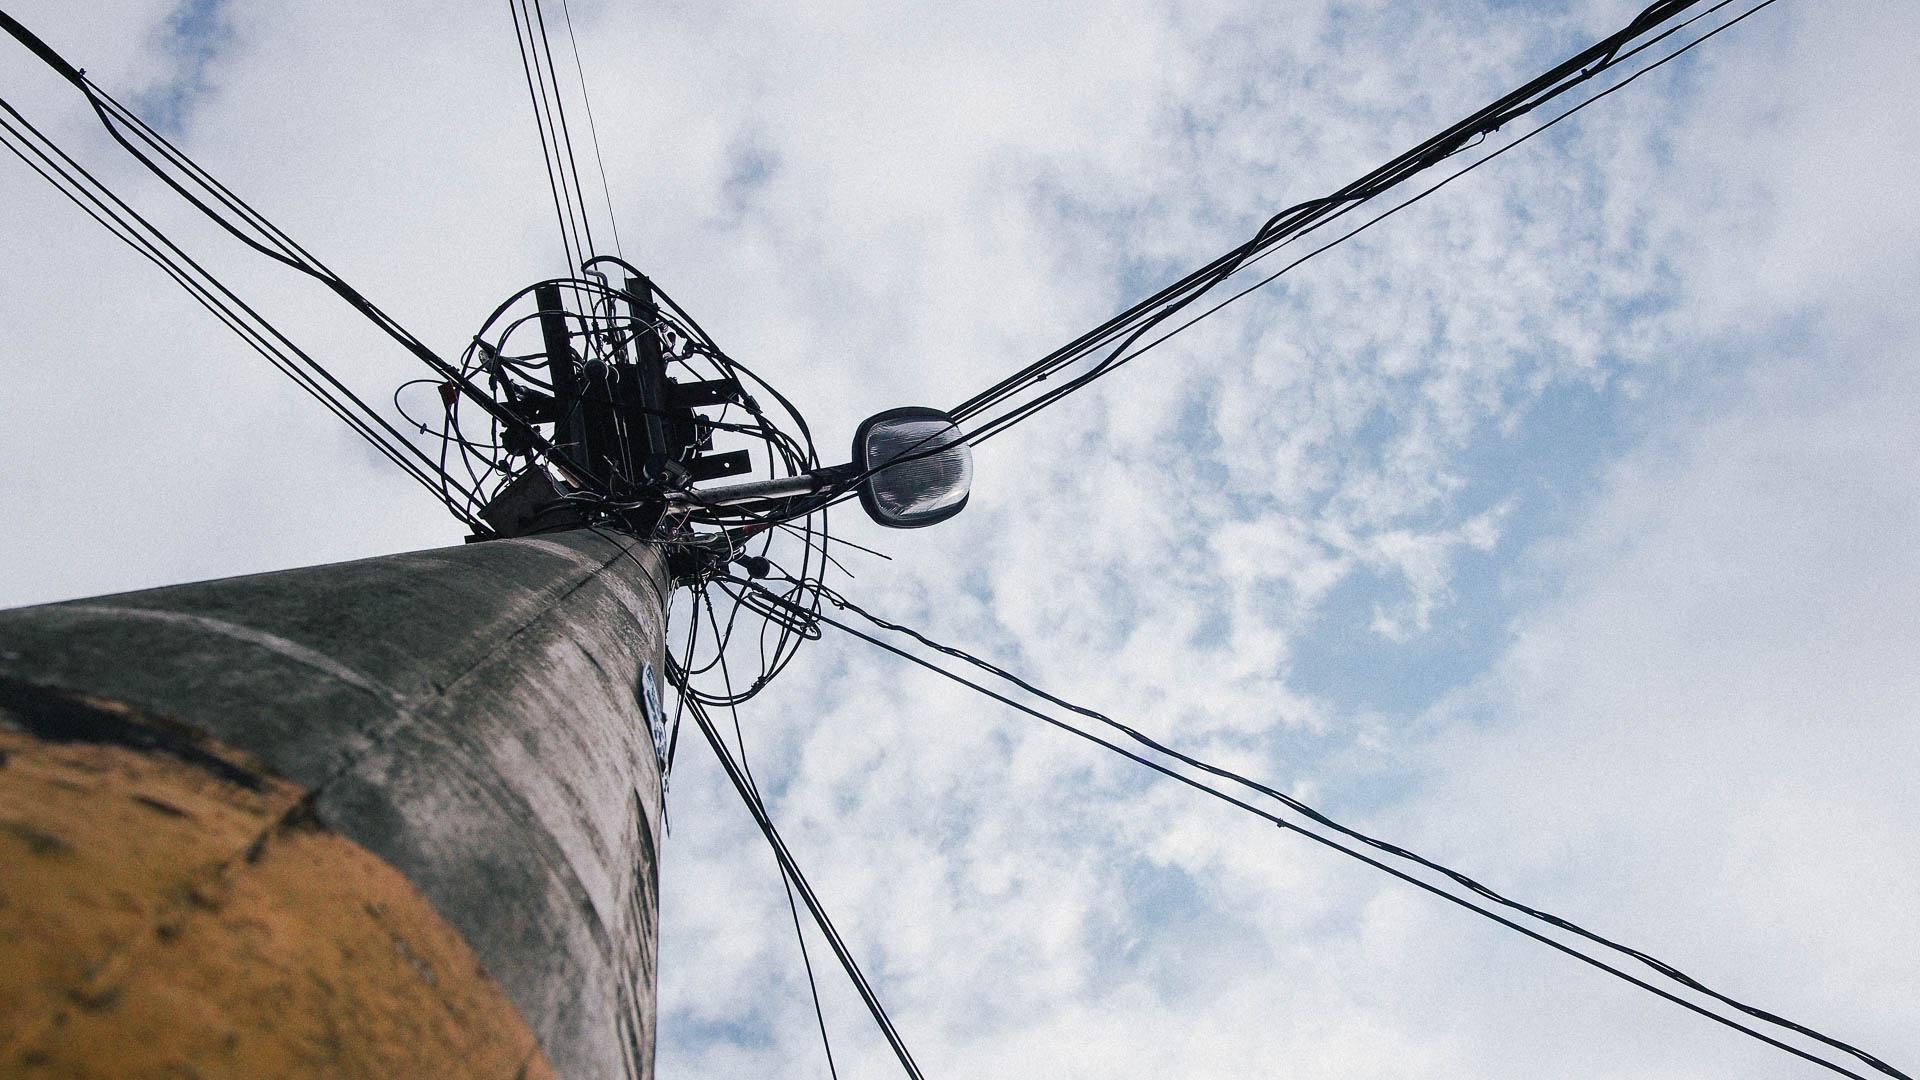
x=635 y=394
x=911 y=468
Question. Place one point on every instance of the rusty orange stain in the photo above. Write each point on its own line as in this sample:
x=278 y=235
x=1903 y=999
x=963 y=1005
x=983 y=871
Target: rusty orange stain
x=159 y=920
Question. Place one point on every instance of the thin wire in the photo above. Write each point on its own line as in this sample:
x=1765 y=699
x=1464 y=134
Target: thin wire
x=566 y=135
x=1662 y=968
x=528 y=61
x=592 y=131
x=792 y=870
x=740 y=739
x=813 y=987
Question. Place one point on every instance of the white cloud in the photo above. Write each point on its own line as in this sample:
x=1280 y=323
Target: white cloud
x=1613 y=436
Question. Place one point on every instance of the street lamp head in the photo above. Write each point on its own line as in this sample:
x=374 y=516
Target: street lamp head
x=931 y=467
x=911 y=467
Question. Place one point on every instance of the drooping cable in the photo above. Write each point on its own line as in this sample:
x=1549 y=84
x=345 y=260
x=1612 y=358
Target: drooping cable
x=1336 y=842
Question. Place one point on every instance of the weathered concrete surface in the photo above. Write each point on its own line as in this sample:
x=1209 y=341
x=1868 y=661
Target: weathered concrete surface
x=471 y=716
x=180 y=914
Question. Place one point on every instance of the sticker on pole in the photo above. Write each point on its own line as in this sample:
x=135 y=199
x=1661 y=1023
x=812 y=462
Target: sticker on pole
x=656 y=716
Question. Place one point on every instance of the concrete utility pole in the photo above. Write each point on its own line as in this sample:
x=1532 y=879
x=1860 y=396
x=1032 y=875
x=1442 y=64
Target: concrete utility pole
x=390 y=818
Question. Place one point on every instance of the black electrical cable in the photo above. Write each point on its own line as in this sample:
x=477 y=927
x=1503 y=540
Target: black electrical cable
x=740 y=740
x=516 y=9
x=113 y=213
x=1129 y=326
x=566 y=133
x=1660 y=967
x=1145 y=316
x=271 y=241
x=788 y=632
x=593 y=131
x=1121 y=356
x=675 y=676
x=805 y=889
x=1313 y=215
x=813 y=988
x=544 y=105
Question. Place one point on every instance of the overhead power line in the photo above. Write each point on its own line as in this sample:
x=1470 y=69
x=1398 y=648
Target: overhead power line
x=239 y=219
x=1125 y=337
x=99 y=202
x=1344 y=839
x=593 y=131
x=1127 y=355
x=1111 y=344
x=543 y=122
x=549 y=100
x=800 y=884
x=746 y=770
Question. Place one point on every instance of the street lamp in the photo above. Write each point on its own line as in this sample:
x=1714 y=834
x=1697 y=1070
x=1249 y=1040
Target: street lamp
x=911 y=466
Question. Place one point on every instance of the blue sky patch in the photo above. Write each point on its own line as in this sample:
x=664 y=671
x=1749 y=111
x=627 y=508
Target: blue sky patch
x=192 y=36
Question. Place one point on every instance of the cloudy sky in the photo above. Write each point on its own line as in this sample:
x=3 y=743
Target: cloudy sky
x=1564 y=527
